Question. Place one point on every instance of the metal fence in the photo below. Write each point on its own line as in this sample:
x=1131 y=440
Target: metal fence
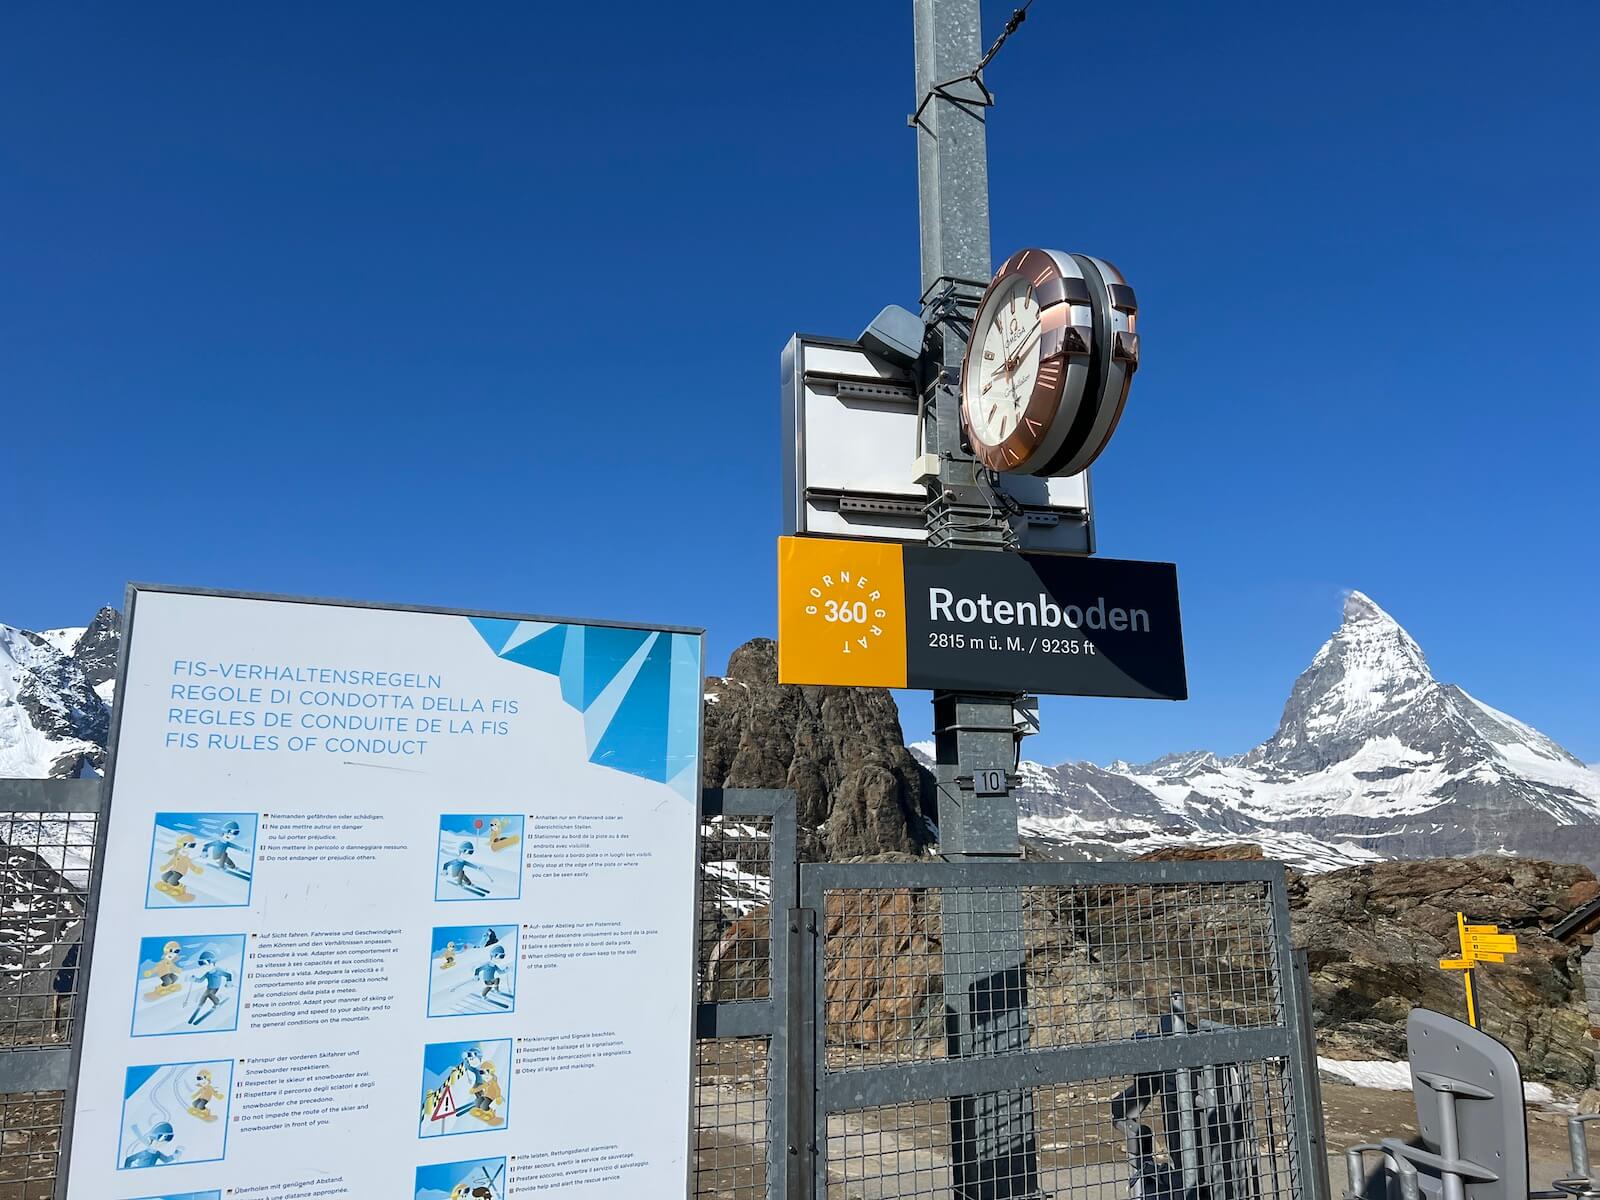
x=48 y=830
x=1140 y=1038
x=747 y=874
x=1124 y=1030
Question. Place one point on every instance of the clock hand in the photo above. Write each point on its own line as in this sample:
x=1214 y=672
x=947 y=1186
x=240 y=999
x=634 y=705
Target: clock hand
x=1015 y=360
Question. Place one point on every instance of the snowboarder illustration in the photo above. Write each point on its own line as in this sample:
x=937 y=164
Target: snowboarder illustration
x=178 y=865
x=499 y=839
x=491 y=973
x=456 y=871
x=152 y=1154
x=217 y=849
x=165 y=971
x=215 y=979
x=449 y=956
x=486 y=1094
x=199 y=1104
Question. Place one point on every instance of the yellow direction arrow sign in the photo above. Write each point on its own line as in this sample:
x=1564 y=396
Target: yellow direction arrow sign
x=1479 y=944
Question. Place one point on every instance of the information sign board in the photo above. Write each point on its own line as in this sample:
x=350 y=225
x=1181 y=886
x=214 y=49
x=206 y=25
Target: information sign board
x=886 y=615
x=393 y=902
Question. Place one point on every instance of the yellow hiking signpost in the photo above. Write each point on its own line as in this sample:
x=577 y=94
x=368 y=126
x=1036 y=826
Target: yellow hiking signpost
x=1479 y=944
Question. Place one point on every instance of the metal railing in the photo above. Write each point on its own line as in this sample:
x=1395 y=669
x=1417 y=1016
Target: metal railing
x=48 y=830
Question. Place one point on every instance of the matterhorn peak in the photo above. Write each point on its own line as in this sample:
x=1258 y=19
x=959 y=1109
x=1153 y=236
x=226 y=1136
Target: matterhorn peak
x=1358 y=606
x=1386 y=645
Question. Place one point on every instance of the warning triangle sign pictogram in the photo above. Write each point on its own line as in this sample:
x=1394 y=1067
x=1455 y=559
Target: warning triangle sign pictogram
x=445 y=1106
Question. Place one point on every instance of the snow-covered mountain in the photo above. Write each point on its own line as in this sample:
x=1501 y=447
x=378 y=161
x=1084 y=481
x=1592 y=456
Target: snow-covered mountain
x=1373 y=758
x=55 y=696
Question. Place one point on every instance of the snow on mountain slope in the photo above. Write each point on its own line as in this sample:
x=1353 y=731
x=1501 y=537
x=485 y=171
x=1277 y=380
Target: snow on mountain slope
x=1373 y=758
x=54 y=692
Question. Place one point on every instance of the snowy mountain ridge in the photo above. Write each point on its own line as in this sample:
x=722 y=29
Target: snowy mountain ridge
x=1373 y=758
x=55 y=694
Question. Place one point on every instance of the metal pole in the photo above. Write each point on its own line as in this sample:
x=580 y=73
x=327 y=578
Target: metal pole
x=993 y=1149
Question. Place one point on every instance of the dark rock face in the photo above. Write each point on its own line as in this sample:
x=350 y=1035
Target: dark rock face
x=95 y=651
x=1375 y=935
x=60 y=722
x=857 y=788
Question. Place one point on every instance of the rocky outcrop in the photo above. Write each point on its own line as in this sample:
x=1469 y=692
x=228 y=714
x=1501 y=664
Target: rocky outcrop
x=95 y=651
x=1375 y=935
x=1103 y=961
x=858 y=790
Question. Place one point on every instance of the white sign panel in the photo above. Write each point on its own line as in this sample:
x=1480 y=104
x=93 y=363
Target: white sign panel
x=851 y=439
x=393 y=903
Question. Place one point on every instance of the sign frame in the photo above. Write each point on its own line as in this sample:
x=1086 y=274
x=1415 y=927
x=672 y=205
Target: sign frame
x=856 y=612
x=86 y=958
x=858 y=479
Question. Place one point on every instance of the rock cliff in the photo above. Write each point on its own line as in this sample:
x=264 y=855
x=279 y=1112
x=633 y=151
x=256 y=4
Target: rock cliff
x=858 y=789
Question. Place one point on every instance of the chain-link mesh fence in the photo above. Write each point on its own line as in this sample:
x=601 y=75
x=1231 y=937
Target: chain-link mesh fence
x=746 y=874
x=47 y=842
x=1067 y=1030
x=1101 y=962
x=1236 y=1115
x=30 y=1142
x=731 y=1119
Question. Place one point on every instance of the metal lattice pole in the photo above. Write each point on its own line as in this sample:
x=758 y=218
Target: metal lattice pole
x=993 y=1148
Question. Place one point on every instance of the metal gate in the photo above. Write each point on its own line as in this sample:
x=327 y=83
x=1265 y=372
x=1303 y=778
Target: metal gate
x=1133 y=1031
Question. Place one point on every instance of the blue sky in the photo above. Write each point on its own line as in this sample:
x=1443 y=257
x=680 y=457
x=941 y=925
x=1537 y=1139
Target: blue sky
x=482 y=306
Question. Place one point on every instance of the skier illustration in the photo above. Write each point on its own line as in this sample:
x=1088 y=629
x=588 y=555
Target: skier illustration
x=178 y=865
x=217 y=850
x=456 y=871
x=491 y=972
x=499 y=839
x=165 y=971
x=152 y=1154
x=216 y=979
x=490 y=937
x=199 y=1103
x=449 y=956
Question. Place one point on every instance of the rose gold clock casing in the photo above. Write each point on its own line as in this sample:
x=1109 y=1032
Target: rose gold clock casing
x=1065 y=340
x=1088 y=352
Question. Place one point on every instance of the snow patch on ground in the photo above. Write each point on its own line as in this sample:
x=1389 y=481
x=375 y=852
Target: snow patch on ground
x=1385 y=1076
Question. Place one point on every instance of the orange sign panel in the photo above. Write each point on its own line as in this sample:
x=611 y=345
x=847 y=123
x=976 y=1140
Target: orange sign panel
x=841 y=613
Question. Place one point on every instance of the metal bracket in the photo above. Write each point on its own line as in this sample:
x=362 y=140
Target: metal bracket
x=973 y=106
x=801 y=1017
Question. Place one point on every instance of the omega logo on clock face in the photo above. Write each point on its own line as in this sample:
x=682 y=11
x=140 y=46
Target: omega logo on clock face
x=847 y=601
x=1047 y=367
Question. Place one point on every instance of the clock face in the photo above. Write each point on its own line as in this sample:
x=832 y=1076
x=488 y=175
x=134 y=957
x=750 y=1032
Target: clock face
x=1027 y=364
x=1009 y=364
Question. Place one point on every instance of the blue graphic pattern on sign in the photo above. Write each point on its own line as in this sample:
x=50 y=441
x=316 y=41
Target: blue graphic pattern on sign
x=638 y=690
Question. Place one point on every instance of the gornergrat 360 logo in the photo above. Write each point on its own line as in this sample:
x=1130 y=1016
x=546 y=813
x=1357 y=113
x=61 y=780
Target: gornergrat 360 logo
x=841 y=612
x=847 y=600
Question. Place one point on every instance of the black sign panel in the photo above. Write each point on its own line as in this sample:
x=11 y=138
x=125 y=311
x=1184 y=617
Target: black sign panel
x=1057 y=624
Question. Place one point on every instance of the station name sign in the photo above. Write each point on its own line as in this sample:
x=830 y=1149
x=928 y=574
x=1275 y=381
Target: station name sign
x=882 y=614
